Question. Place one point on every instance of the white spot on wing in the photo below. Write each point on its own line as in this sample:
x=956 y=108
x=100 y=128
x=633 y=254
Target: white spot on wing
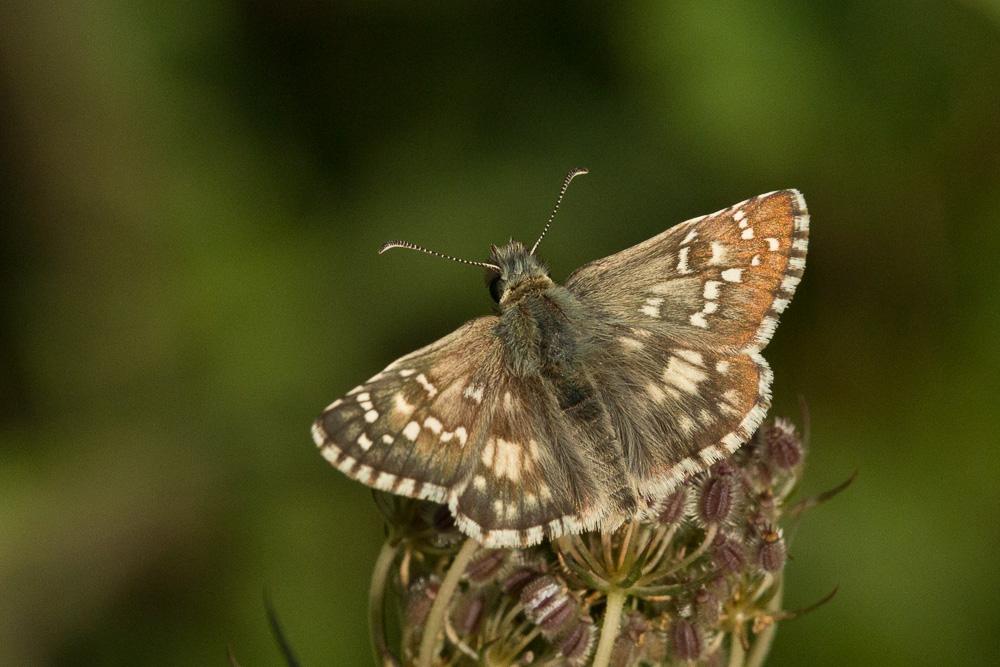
x=411 y=431
x=371 y=416
x=712 y=289
x=732 y=275
x=683 y=375
x=718 y=253
x=426 y=384
x=384 y=481
x=433 y=425
x=365 y=442
x=691 y=357
x=400 y=405
x=507 y=460
x=475 y=392
x=682 y=260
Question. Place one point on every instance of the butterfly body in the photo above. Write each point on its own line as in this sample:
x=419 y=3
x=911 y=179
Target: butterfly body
x=576 y=406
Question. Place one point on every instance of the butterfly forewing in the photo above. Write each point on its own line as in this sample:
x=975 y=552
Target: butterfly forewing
x=716 y=282
x=408 y=429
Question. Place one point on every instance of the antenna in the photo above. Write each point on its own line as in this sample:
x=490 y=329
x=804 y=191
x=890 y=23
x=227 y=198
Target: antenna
x=573 y=173
x=412 y=246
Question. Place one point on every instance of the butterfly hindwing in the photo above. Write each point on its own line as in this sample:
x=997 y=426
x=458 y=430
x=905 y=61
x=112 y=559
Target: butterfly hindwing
x=540 y=473
x=679 y=410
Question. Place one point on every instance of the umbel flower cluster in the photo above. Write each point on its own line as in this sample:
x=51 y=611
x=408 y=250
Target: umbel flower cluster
x=700 y=582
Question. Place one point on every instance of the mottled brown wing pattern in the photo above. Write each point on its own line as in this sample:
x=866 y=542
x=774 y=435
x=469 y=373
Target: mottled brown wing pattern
x=536 y=475
x=449 y=424
x=678 y=410
x=408 y=429
x=718 y=282
x=691 y=310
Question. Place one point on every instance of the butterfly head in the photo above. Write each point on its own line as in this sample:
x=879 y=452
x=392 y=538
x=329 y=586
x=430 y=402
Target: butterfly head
x=517 y=272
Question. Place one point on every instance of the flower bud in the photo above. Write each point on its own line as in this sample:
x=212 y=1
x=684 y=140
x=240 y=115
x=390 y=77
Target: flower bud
x=771 y=553
x=728 y=554
x=548 y=604
x=468 y=613
x=715 y=503
x=685 y=638
x=576 y=643
x=783 y=447
x=486 y=565
x=515 y=581
x=673 y=506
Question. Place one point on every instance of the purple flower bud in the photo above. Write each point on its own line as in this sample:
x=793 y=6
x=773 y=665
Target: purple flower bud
x=468 y=613
x=685 y=639
x=672 y=509
x=783 y=445
x=716 y=501
x=728 y=554
x=548 y=604
x=515 y=581
x=771 y=553
x=484 y=567
x=575 y=645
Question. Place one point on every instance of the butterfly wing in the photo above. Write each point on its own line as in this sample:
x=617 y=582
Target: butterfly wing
x=449 y=423
x=691 y=309
x=407 y=429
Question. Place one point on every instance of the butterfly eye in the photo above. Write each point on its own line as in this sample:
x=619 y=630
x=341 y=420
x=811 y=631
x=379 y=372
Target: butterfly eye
x=497 y=286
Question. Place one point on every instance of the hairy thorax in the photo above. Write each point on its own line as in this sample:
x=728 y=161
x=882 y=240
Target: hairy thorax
x=543 y=337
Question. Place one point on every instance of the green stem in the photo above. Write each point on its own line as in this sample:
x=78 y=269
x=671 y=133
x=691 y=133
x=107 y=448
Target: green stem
x=440 y=607
x=737 y=656
x=376 y=605
x=609 y=628
x=762 y=646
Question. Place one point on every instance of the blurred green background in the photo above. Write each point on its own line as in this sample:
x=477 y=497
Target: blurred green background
x=192 y=195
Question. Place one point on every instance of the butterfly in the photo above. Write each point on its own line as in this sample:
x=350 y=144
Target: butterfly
x=576 y=407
